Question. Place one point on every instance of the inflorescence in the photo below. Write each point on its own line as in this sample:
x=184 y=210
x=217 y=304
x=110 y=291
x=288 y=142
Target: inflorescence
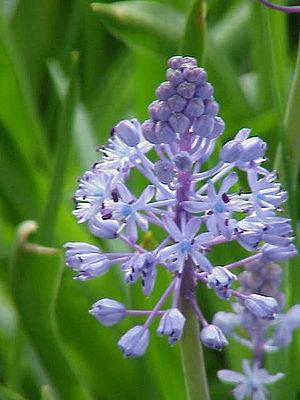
x=198 y=207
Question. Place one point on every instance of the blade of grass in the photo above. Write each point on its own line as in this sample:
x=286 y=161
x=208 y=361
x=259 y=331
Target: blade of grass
x=84 y=135
x=194 y=34
x=16 y=100
x=147 y=25
x=36 y=275
x=63 y=146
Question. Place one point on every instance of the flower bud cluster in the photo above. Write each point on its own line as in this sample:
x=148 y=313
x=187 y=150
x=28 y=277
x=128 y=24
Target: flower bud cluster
x=194 y=208
x=184 y=102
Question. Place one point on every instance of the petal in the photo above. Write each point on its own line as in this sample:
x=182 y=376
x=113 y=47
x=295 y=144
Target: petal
x=243 y=134
x=145 y=197
x=211 y=191
x=201 y=260
x=196 y=206
x=252 y=179
x=131 y=230
x=173 y=229
x=191 y=228
x=167 y=251
x=241 y=392
x=228 y=182
x=142 y=221
x=124 y=193
x=228 y=376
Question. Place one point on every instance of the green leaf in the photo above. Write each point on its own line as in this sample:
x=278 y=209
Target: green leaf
x=63 y=147
x=84 y=135
x=19 y=188
x=143 y=24
x=17 y=111
x=36 y=275
x=8 y=394
x=193 y=38
x=292 y=125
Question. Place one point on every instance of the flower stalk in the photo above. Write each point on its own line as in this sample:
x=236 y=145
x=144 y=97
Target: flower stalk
x=190 y=344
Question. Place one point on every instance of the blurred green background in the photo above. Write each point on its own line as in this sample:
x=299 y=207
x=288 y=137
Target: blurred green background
x=67 y=75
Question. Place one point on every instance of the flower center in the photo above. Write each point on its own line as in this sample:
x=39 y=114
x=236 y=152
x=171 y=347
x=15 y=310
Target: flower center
x=219 y=206
x=185 y=246
x=126 y=210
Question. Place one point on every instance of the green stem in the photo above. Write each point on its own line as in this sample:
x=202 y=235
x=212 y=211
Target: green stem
x=191 y=348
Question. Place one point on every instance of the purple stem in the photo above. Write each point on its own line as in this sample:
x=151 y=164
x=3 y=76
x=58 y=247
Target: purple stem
x=176 y=292
x=159 y=304
x=198 y=312
x=137 y=313
x=244 y=261
x=236 y=264
x=287 y=9
x=133 y=245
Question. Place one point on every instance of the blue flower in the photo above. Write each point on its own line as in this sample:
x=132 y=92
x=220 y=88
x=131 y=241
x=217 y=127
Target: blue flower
x=170 y=150
x=251 y=383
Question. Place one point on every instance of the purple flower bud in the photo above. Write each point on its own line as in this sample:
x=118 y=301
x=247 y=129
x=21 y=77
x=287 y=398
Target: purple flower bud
x=163 y=111
x=186 y=90
x=211 y=107
x=219 y=126
x=253 y=148
x=204 y=91
x=189 y=60
x=128 y=132
x=194 y=108
x=108 y=311
x=183 y=161
x=134 y=342
x=212 y=337
x=276 y=253
x=261 y=306
x=164 y=91
x=104 y=228
x=175 y=61
x=153 y=110
x=204 y=126
x=164 y=132
x=86 y=260
x=180 y=123
x=194 y=74
x=174 y=76
x=177 y=103
x=227 y=322
x=221 y=279
x=171 y=324
x=164 y=171
x=148 y=129
x=231 y=151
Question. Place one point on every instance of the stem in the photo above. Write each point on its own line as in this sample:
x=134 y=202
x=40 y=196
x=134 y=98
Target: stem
x=191 y=348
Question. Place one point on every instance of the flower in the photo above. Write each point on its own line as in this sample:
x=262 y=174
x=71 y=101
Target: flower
x=187 y=244
x=134 y=343
x=171 y=325
x=212 y=337
x=251 y=383
x=182 y=131
x=262 y=306
x=108 y=311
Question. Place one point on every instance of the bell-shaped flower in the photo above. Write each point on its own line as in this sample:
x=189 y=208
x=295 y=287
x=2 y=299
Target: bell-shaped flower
x=134 y=342
x=108 y=311
x=213 y=337
x=171 y=325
